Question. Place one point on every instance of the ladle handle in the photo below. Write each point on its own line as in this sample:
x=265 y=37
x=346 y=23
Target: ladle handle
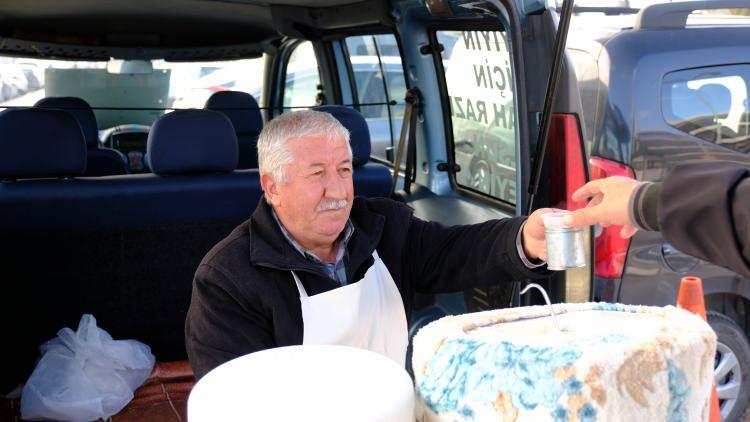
x=546 y=299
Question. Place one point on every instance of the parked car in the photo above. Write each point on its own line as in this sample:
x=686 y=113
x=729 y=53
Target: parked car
x=19 y=77
x=662 y=87
x=7 y=90
x=191 y=86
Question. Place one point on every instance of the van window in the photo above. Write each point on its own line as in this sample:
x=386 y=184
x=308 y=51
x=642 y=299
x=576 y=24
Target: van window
x=126 y=96
x=302 y=78
x=587 y=72
x=479 y=79
x=379 y=79
x=710 y=103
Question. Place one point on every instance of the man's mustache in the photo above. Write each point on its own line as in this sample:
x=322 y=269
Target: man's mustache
x=332 y=204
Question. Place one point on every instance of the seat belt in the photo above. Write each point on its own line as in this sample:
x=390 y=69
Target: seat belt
x=408 y=126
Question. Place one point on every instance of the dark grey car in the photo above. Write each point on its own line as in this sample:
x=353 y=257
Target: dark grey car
x=661 y=88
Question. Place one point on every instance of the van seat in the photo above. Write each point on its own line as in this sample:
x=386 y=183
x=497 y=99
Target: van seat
x=123 y=248
x=99 y=161
x=36 y=143
x=243 y=111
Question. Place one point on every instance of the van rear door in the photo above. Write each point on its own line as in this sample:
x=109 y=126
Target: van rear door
x=489 y=64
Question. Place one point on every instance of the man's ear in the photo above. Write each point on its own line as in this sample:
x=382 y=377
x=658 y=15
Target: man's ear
x=270 y=188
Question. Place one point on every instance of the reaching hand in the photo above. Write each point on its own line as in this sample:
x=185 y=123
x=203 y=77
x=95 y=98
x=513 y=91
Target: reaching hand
x=534 y=245
x=610 y=198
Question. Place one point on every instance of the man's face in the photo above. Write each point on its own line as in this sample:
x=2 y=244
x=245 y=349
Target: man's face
x=315 y=201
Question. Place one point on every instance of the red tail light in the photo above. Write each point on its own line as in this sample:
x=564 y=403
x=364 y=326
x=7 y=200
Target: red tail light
x=567 y=166
x=611 y=249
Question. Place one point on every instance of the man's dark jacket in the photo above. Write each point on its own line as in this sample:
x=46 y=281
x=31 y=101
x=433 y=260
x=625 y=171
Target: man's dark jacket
x=245 y=299
x=702 y=209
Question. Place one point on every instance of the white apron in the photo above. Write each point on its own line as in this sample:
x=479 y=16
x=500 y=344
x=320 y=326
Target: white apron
x=368 y=314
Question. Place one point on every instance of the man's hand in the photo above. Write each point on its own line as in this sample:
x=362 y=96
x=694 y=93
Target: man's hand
x=534 y=245
x=610 y=198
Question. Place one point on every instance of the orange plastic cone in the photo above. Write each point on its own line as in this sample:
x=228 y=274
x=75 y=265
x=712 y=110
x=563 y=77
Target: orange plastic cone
x=690 y=298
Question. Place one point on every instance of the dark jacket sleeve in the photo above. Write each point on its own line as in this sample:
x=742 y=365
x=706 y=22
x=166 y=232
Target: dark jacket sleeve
x=704 y=211
x=218 y=327
x=449 y=259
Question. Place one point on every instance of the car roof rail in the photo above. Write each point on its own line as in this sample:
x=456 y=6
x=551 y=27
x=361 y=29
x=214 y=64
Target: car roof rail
x=609 y=11
x=675 y=15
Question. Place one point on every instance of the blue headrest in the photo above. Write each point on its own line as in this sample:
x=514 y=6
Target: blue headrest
x=81 y=110
x=192 y=141
x=40 y=143
x=241 y=108
x=359 y=133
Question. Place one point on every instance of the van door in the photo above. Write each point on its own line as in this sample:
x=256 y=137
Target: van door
x=489 y=63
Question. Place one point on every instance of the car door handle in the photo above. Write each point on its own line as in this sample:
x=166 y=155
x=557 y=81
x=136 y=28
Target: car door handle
x=676 y=260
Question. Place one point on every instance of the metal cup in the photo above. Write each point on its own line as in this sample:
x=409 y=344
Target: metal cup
x=565 y=246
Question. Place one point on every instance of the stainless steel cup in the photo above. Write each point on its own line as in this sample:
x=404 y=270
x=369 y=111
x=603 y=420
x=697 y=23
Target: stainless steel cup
x=565 y=246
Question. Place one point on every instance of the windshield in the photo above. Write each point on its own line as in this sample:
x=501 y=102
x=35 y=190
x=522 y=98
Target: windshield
x=126 y=95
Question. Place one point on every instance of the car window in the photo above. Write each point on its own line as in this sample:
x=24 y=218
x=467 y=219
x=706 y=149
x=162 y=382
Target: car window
x=480 y=87
x=587 y=73
x=379 y=79
x=135 y=92
x=710 y=103
x=302 y=78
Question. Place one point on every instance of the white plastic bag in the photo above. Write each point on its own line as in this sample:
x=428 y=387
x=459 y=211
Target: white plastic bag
x=85 y=375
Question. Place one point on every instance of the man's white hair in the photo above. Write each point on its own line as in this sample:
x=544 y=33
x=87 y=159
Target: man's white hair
x=274 y=154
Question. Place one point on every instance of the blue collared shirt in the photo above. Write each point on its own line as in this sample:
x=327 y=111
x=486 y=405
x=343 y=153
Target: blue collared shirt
x=336 y=270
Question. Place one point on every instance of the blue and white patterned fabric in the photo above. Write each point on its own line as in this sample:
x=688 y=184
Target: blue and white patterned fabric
x=609 y=362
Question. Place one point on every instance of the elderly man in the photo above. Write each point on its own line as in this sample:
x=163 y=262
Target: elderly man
x=314 y=265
